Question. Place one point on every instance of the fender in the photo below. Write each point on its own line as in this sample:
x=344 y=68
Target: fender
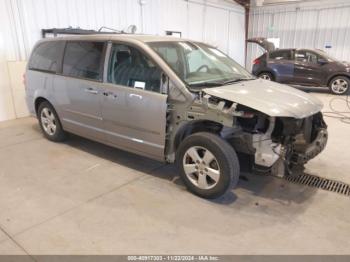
x=339 y=73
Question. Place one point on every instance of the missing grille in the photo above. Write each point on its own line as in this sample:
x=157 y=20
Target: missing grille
x=319 y=182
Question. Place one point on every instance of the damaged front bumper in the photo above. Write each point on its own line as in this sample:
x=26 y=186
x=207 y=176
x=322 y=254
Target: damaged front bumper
x=292 y=149
x=313 y=149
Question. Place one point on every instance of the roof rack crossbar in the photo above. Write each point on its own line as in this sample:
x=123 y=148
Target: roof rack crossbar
x=112 y=29
x=77 y=31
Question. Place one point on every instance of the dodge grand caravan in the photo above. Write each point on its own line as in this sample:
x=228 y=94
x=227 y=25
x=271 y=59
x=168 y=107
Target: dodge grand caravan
x=172 y=100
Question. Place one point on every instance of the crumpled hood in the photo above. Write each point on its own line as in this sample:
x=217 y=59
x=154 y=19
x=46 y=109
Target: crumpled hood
x=269 y=97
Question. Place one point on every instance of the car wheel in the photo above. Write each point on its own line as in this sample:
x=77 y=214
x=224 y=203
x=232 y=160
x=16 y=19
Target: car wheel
x=266 y=76
x=208 y=165
x=50 y=123
x=339 y=85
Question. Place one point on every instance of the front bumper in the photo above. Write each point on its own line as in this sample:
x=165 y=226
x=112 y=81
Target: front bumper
x=313 y=149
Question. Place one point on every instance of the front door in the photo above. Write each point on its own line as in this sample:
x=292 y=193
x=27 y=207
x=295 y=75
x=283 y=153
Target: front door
x=133 y=106
x=307 y=70
x=78 y=89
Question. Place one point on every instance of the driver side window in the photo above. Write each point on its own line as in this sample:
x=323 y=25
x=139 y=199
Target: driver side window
x=306 y=56
x=130 y=67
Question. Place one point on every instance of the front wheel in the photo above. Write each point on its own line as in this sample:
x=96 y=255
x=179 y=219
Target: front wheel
x=208 y=165
x=339 y=85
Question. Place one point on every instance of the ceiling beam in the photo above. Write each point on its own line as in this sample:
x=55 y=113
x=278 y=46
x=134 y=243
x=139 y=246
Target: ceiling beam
x=244 y=3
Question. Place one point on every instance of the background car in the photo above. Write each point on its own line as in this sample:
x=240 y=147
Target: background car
x=304 y=67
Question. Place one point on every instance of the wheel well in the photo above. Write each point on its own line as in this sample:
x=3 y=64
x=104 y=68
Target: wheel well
x=331 y=78
x=37 y=103
x=195 y=127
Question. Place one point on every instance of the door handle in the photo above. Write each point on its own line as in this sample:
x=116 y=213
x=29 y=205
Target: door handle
x=135 y=95
x=91 y=91
x=109 y=93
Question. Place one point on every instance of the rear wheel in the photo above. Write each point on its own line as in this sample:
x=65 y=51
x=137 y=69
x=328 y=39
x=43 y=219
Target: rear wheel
x=208 y=165
x=50 y=123
x=266 y=76
x=339 y=85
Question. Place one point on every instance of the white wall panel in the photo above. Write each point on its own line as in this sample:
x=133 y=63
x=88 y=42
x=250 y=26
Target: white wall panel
x=217 y=22
x=236 y=40
x=216 y=27
x=173 y=16
x=196 y=14
x=7 y=50
x=304 y=25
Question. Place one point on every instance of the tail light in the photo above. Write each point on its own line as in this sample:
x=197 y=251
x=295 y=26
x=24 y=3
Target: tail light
x=256 y=61
x=248 y=115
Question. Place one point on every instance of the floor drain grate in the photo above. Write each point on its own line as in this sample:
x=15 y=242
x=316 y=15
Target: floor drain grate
x=319 y=182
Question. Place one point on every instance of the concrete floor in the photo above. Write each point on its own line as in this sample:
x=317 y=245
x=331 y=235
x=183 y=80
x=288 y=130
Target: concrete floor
x=81 y=197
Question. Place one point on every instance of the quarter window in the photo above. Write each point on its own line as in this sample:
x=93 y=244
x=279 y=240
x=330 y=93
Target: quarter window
x=281 y=55
x=83 y=59
x=129 y=67
x=46 y=56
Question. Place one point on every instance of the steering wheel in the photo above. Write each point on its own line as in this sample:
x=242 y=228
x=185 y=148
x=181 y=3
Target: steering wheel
x=201 y=67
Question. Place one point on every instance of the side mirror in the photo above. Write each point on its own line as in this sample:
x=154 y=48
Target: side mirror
x=322 y=61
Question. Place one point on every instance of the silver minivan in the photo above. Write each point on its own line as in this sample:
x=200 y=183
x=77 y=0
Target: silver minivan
x=173 y=100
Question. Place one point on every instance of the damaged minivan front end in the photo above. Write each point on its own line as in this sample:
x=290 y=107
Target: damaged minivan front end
x=279 y=128
x=221 y=120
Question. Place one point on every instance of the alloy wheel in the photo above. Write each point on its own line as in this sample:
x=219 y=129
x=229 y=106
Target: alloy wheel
x=201 y=167
x=339 y=86
x=265 y=77
x=48 y=121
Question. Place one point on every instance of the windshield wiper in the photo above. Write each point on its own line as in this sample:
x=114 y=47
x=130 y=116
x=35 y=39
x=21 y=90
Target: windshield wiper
x=236 y=80
x=218 y=83
x=206 y=84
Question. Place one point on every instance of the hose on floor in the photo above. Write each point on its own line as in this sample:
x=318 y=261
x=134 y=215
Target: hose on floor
x=343 y=116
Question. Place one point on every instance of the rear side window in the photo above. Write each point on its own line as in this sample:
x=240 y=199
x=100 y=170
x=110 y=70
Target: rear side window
x=83 y=59
x=46 y=56
x=281 y=55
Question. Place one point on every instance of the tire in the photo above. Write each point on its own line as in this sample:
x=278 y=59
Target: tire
x=266 y=76
x=339 y=85
x=50 y=123
x=207 y=180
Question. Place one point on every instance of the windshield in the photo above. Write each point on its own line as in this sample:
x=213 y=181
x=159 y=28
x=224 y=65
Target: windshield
x=198 y=64
x=326 y=56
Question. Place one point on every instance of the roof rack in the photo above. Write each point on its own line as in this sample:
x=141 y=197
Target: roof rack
x=80 y=31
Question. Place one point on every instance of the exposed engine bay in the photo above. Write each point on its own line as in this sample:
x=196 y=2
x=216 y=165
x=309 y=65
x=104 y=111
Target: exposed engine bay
x=274 y=143
x=282 y=141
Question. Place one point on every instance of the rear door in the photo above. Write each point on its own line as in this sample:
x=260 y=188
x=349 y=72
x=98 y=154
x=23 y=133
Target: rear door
x=281 y=63
x=307 y=70
x=134 y=105
x=78 y=88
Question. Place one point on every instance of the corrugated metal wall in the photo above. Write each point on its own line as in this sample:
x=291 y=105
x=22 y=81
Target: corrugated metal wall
x=306 y=25
x=217 y=22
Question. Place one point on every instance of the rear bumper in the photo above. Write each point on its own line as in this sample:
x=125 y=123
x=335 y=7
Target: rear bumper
x=30 y=105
